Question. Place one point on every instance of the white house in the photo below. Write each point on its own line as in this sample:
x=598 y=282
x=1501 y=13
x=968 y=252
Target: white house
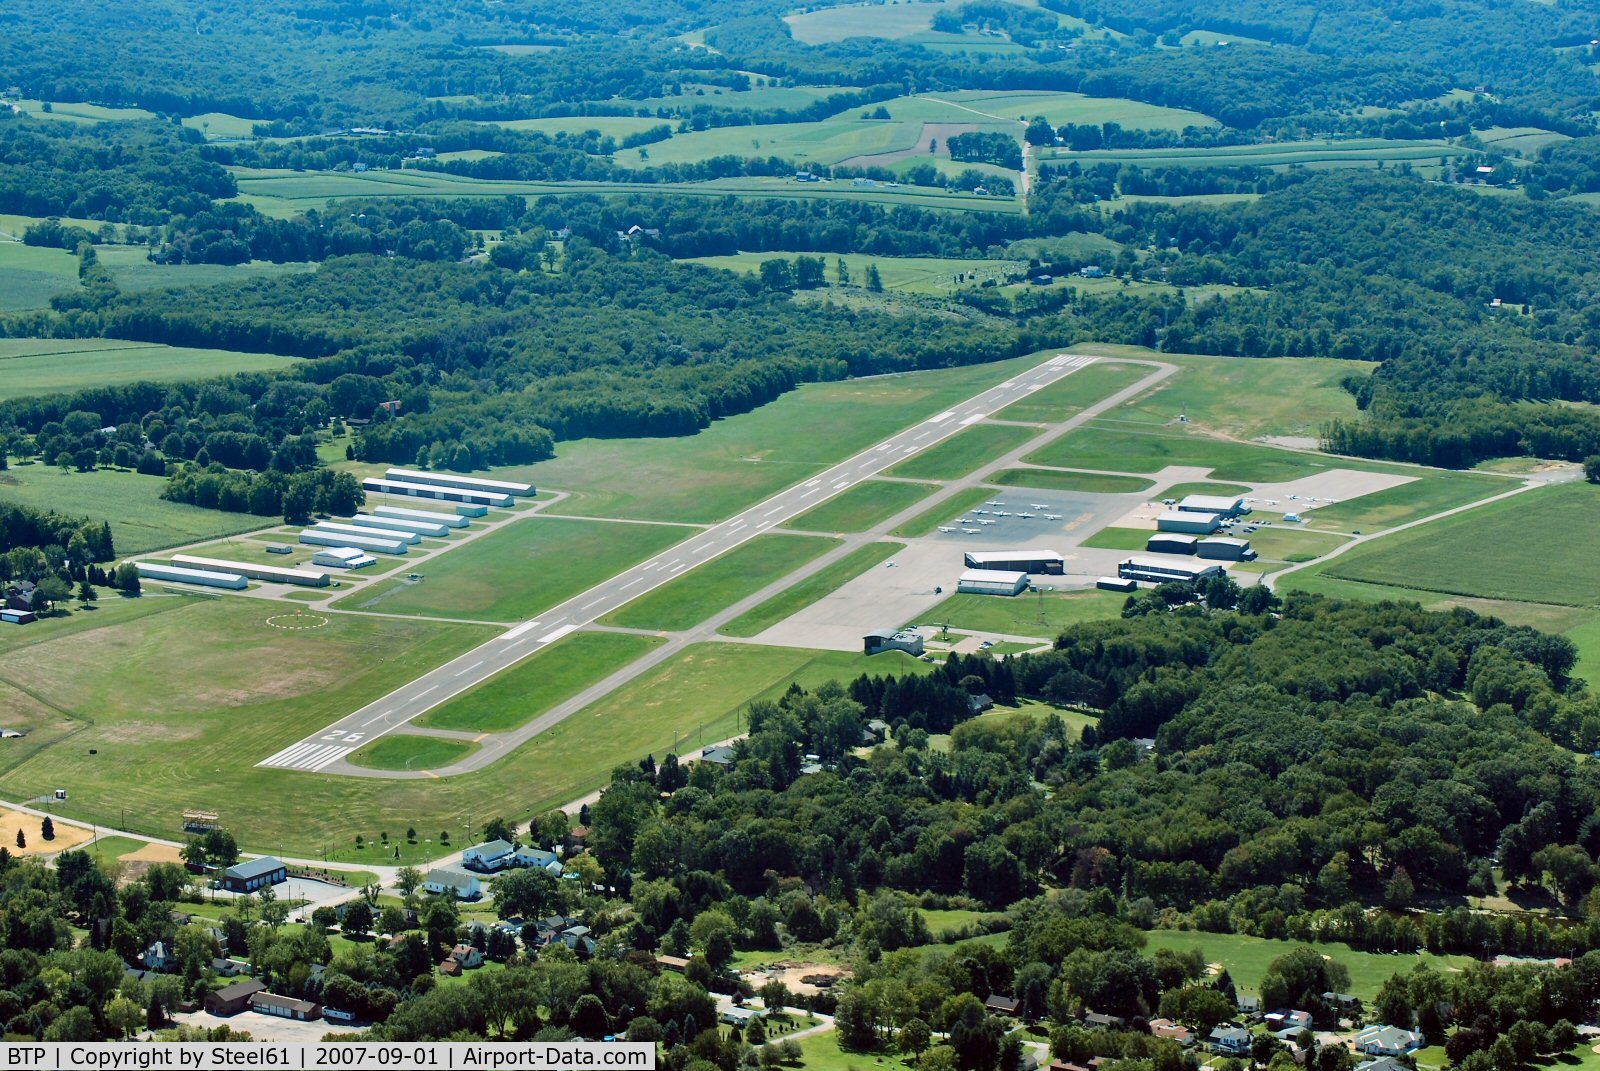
x=1385 y=1040
x=489 y=856
x=469 y=958
x=457 y=883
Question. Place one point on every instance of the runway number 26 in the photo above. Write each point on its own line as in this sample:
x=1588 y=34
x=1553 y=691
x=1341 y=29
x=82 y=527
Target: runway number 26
x=344 y=737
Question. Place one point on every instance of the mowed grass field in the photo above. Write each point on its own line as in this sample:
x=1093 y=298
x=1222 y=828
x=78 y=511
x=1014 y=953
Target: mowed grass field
x=407 y=752
x=49 y=366
x=614 y=126
x=141 y=521
x=1063 y=108
x=1537 y=547
x=740 y=460
x=966 y=451
x=31 y=276
x=1107 y=444
x=1355 y=152
x=862 y=506
x=132 y=270
x=1104 y=483
x=913 y=275
x=817 y=586
x=1074 y=394
x=1042 y=614
x=517 y=571
x=248 y=690
x=690 y=598
x=533 y=686
x=1247 y=958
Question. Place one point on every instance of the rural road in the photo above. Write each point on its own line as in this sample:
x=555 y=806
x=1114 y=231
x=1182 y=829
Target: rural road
x=326 y=751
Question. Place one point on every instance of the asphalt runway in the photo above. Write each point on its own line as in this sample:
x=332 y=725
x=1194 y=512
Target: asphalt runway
x=325 y=751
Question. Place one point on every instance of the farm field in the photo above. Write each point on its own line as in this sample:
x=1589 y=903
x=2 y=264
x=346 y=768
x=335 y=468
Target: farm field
x=553 y=675
x=1519 y=139
x=30 y=276
x=1555 y=559
x=690 y=598
x=405 y=752
x=283 y=193
x=554 y=559
x=914 y=275
x=79 y=112
x=862 y=506
x=957 y=504
x=615 y=126
x=1063 y=108
x=1545 y=616
x=48 y=365
x=132 y=270
x=820 y=584
x=963 y=452
x=740 y=460
x=1355 y=152
x=831 y=24
x=141 y=520
x=1247 y=958
x=219 y=126
x=1077 y=392
x=1035 y=614
x=757 y=98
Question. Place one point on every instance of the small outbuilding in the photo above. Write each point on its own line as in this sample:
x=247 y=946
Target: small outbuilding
x=448 y=880
x=884 y=639
x=233 y=999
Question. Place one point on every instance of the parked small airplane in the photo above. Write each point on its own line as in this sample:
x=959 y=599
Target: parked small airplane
x=1037 y=505
x=970 y=531
x=945 y=530
x=1052 y=516
x=1024 y=515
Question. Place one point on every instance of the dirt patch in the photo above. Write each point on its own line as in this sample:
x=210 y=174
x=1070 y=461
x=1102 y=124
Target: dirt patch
x=154 y=853
x=12 y=821
x=792 y=975
x=931 y=132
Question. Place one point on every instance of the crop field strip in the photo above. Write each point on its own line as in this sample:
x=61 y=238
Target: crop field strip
x=1357 y=152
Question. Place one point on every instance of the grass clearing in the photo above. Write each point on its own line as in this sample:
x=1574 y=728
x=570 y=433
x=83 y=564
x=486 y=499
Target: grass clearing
x=1247 y=958
x=1292 y=543
x=1075 y=393
x=1114 y=538
x=955 y=506
x=531 y=687
x=79 y=112
x=689 y=599
x=552 y=559
x=50 y=366
x=1179 y=490
x=1104 y=483
x=964 y=452
x=1240 y=397
x=1039 y=613
x=1110 y=445
x=740 y=460
x=1436 y=492
x=405 y=752
x=813 y=588
x=1063 y=108
x=613 y=126
x=1556 y=560
x=141 y=521
x=862 y=506
x=1544 y=616
x=133 y=270
x=31 y=276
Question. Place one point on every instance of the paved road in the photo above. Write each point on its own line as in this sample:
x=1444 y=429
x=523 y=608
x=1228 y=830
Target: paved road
x=326 y=750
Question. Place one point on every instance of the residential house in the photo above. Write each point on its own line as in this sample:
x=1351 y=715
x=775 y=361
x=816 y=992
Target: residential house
x=229 y=968
x=1280 y=1019
x=1250 y=1006
x=538 y=858
x=457 y=883
x=1230 y=1039
x=450 y=968
x=1172 y=1031
x=233 y=999
x=23 y=595
x=1002 y=1004
x=1344 y=1002
x=875 y=732
x=157 y=958
x=1063 y=1065
x=673 y=963
x=1382 y=1063
x=977 y=704
x=578 y=939
x=722 y=756
x=285 y=1007
x=469 y=958
x=737 y=1016
x=489 y=856
x=1101 y=1021
x=1386 y=1040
